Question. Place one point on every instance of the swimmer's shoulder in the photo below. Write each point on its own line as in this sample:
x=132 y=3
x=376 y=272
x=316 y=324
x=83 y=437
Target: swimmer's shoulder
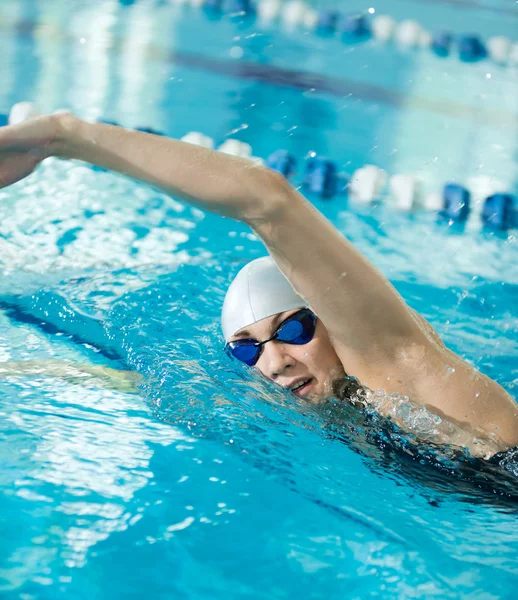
x=445 y=381
x=470 y=398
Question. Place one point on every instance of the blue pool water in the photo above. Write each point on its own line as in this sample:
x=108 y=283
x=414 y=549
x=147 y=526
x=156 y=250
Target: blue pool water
x=210 y=482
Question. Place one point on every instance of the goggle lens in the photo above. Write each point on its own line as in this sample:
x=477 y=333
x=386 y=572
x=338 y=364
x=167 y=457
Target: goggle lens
x=298 y=329
x=290 y=331
x=247 y=353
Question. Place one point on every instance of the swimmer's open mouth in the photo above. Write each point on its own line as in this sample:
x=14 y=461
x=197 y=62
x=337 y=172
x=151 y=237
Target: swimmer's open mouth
x=301 y=387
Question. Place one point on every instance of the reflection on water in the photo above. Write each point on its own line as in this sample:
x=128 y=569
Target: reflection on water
x=83 y=454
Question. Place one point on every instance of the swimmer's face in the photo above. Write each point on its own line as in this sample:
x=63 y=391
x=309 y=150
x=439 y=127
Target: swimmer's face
x=290 y=365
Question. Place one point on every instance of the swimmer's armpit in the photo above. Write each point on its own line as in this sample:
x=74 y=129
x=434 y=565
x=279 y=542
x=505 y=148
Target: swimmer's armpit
x=80 y=374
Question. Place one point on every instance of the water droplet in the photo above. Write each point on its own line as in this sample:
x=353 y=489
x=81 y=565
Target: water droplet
x=236 y=52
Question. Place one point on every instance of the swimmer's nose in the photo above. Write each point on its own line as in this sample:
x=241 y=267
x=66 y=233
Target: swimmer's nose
x=275 y=360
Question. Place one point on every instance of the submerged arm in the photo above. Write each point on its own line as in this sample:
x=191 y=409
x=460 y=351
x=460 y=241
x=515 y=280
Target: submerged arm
x=82 y=374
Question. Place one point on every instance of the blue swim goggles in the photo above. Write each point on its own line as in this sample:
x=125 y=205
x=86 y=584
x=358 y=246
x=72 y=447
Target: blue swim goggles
x=298 y=329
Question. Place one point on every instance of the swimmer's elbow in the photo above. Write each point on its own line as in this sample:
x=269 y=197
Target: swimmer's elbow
x=272 y=194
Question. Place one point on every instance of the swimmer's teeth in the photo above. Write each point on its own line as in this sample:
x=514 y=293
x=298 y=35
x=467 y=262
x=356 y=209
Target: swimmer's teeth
x=301 y=385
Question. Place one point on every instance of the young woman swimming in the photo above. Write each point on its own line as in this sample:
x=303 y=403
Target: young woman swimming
x=316 y=310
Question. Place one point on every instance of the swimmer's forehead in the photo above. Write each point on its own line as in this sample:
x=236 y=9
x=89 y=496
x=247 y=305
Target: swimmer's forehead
x=273 y=322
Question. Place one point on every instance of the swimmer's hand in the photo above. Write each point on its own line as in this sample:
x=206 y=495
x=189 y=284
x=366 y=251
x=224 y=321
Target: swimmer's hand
x=81 y=374
x=24 y=146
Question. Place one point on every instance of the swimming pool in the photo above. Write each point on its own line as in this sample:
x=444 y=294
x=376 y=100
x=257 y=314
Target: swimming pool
x=210 y=482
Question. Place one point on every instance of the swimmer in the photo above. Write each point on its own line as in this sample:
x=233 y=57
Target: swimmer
x=312 y=313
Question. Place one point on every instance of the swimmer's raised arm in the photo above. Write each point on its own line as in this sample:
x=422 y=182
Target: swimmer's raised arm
x=367 y=319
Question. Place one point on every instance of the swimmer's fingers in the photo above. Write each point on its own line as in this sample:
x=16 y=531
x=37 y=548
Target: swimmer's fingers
x=23 y=147
x=16 y=166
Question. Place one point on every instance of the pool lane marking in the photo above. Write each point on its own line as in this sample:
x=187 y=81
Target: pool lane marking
x=306 y=80
x=291 y=78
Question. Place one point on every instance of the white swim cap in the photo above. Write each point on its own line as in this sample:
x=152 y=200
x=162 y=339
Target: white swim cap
x=258 y=291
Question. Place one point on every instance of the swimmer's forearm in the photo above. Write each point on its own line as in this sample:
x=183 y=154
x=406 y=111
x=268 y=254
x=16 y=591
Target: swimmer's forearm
x=227 y=185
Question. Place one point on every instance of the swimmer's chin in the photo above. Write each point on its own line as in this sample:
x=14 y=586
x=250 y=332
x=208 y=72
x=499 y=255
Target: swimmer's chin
x=333 y=389
x=340 y=387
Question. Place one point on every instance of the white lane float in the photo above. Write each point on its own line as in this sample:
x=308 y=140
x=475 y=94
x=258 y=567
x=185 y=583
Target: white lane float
x=367 y=183
x=293 y=14
x=22 y=111
x=310 y=19
x=425 y=39
x=499 y=48
x=268 y=10
x=198 y=139
x=408 y=33
x=404 y=190
x=236 y=148
x=383 y=27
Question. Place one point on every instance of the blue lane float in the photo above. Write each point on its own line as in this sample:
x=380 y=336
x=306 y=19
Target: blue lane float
x=244 y=7
x=327 y=21
x=213 y=4
x=4 y=120
x=441 y=43
x=499 y=211
x=354 y=28
x=456 y=203
x=471 y=49
x=321 y=177
x=282 y=162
